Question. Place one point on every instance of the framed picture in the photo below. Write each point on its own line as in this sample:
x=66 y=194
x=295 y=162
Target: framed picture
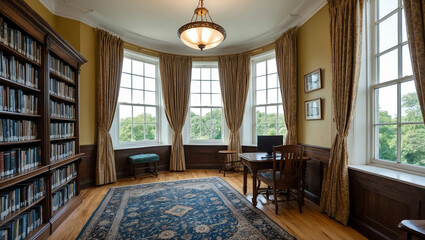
x=312 y=81
x=313 y=109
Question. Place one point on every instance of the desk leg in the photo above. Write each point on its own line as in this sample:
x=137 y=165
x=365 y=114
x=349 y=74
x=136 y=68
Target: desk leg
x=245 y=173
x=254 y=187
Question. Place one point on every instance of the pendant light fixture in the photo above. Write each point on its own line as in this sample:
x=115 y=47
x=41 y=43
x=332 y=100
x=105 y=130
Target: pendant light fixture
x=201 y=33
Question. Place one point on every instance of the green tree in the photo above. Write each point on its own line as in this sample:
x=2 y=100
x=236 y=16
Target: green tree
x=144 y=128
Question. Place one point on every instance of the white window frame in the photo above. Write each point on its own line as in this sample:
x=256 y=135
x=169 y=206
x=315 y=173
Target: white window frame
x=254 y=60
x=372 y=44
x=158 y=99
x=187 y=127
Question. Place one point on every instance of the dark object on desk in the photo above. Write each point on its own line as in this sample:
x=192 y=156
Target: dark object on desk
x=413 y=228
x=285 y=176
x=266 y=144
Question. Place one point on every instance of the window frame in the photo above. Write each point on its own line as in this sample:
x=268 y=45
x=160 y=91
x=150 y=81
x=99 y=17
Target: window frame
x=254 y=60
x=187 y=127
x=373 y=85
x=158 y=100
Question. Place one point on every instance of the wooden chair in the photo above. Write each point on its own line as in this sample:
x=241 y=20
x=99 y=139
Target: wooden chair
x=286 y=175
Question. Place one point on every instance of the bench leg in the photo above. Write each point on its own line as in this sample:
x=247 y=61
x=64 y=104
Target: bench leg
x=155 y=172
x=133 y=171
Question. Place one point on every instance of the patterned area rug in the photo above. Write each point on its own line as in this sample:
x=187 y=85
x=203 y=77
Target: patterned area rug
x=206 y=208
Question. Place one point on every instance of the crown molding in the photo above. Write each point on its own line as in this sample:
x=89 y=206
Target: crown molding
x=305 y=10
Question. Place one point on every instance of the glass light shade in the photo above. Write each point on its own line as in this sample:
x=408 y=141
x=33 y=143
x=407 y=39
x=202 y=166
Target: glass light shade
x=201 y=35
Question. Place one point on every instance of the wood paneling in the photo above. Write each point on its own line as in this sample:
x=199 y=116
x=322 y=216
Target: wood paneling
x=88 y=166
x=379 y=204
x=202 y=156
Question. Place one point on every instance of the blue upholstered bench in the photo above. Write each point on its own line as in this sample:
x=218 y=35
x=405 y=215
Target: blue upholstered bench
x=145 y=159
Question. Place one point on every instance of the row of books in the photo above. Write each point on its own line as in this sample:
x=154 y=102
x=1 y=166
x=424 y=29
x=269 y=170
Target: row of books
x=62 y=150
x=61 y=89
x=61 y=68
x=23 y=225
x=19 y=196
x=15 y=100
x=19 y=160
x=12 y=130
x=23 y=73
x=61 y=110
x=63 y=195
x=19 y=41
x=63 y=174
x=62 y=130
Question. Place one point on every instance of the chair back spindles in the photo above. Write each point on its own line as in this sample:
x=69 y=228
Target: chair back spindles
x=289 y=166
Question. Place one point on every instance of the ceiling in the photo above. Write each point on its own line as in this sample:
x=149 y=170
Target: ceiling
x=153 y=24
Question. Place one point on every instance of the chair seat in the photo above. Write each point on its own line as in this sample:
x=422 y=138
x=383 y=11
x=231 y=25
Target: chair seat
x=267 y=177
x=143 y=158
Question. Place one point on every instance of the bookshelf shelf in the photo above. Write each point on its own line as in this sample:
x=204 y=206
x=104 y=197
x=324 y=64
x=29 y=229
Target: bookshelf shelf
x=41 y=232
x=62 y=139
x=64 y=184
x=8 y=181
x=24 y=115
x=65 y=161
x=59 y=77
x=19 y=56
x=19 y=142
x=14 y=84
x=62 y=119
x=21 y=210
x=61 y=99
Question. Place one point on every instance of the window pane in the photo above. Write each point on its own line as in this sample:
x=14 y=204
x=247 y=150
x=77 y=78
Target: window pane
x=195 y=86
x=403 y=26
x=137 y=67
x=271 y=129
x=196 y=73
x=150 y=84
x=195 y=123
x=216 y=124
x=215 y=87
x=410 y=110
x=126 y=80
x=271 y=66
x=150 y=131
x=407 y=63
x=386 y=6
x=150 y=70
x=281 y=119
x=205 y=86
x=205 y=123
x=125 y=113
x=216 y=100
x=126 y=67
x=272 y=81
x=282 y=129
x=137 y=82
x=138 y=114
x=261 y=83
x=387 y=142
x=150 y=98
x=125 y=132
x=387 y=104
x=272 y=114
x=388 y=66
x=214 y=74
x=124 y=95
x=150 y=115
x=195 y=99
x=260 y=118
x=279 y=96
x=388 y=33
x=137 y=97
x=261 y=129
x=205 y=99
x=272 y=95
x=260 y=68
x=205 y=74
x=261 y=97
x=412 y=144
x=125 y=123
x=138 y=132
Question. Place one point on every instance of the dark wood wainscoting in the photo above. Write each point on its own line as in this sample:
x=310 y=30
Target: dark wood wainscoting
x=123 y=167
x=88 y=166
x=315 y=170
x=379 y=204
x=202 y=156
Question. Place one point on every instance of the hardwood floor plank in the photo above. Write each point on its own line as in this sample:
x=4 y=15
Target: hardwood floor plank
x=310 y=224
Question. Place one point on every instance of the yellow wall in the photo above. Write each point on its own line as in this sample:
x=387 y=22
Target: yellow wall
x=314 y=52
x=84 y=39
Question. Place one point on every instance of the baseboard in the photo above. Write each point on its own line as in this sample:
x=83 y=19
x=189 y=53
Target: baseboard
x=312 y=197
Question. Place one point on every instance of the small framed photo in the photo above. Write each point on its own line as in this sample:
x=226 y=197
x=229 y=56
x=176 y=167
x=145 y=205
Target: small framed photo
x=313 y=109
x=312 y=81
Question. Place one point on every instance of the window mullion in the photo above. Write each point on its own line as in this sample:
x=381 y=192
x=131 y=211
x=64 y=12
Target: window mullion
x=398 y=122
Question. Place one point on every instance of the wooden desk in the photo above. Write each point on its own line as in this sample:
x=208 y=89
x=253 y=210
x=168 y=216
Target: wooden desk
x=254 y=162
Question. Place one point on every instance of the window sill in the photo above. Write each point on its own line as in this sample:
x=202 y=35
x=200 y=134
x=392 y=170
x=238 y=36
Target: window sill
x=124 y=147
x=414 y=179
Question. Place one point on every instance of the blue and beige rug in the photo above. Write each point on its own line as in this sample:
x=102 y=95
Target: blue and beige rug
x=206 y=208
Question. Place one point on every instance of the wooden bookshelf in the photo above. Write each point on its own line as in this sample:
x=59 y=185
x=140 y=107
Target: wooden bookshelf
x=41 y=42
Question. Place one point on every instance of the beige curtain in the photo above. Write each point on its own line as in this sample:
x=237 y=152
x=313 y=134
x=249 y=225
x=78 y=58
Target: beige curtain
x=415 y=21
x=111 y=53
x=175 y=79
x=286 y=60
x=346 y=34
x=234 y=84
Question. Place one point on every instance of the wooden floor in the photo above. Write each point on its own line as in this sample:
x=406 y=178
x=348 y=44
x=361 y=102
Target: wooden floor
x=310 y=224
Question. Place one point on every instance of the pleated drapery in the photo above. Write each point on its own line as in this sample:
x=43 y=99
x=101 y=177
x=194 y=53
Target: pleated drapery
x=175 y=80
x=111 y=53
x=286 y=61
x=234 y=83
x=346 y=41
x=415 y=22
